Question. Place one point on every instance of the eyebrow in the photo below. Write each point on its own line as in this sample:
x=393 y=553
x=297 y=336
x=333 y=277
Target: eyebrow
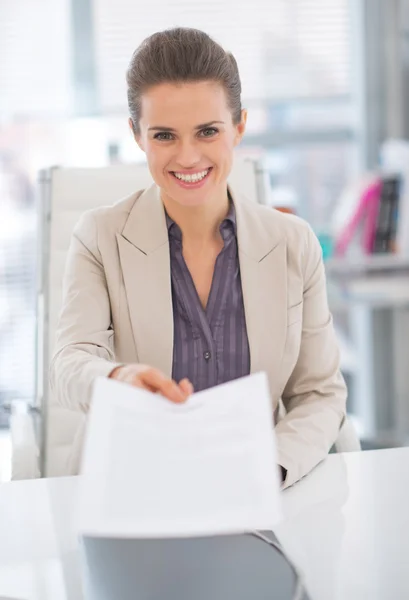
x=170 y=130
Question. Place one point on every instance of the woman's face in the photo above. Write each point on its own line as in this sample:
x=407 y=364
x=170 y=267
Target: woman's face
x=188 y=135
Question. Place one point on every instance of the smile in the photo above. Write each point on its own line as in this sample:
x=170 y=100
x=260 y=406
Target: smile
x=191 y=178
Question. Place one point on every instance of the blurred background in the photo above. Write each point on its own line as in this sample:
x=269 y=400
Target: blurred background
x=326 y=84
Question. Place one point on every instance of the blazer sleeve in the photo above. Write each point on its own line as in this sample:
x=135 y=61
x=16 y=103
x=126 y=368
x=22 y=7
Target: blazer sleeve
x=84 y=338
x=315 y=394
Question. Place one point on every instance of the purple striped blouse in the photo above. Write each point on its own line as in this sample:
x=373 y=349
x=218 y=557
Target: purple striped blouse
x=210 y=346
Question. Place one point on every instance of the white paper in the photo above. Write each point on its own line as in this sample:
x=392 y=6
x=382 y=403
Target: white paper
x=153 y=469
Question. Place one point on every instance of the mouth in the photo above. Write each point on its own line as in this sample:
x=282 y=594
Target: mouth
x=192 y=180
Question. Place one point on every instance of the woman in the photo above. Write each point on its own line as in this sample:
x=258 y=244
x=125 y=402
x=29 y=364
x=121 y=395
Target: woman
x=186 y=285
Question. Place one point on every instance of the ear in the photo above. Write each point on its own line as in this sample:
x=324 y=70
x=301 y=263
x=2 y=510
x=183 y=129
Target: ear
x=241 y=127
x=137 y=137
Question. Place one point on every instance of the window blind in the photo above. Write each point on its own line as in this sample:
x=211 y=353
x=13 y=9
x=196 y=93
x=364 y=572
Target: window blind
x=286 y=49
x=35 y=70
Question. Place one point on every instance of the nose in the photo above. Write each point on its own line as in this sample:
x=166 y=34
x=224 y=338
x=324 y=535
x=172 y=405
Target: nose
x=188 y=154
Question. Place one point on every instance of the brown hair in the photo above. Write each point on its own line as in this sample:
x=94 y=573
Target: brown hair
x=181 y=55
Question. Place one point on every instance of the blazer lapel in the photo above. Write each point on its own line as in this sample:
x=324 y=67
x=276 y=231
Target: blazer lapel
x=263 y=260
x=145 y=261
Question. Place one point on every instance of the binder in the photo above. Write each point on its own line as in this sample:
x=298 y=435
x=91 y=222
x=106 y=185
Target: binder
x=387 y=220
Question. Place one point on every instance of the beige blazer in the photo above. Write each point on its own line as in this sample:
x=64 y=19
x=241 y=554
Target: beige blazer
x=117 y=308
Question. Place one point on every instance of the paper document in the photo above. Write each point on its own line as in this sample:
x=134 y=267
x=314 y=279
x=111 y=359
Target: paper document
x=153 y=469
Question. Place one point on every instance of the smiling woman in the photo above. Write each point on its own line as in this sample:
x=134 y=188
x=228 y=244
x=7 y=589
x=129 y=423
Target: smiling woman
x=189 y=122
x=186 y=285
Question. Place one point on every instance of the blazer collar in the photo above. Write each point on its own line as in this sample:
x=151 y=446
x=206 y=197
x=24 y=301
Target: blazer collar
x=147 y=230
x=145 y=227
x=254 y=239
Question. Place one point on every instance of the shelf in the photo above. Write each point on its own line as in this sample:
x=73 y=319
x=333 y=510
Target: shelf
x=366 y=264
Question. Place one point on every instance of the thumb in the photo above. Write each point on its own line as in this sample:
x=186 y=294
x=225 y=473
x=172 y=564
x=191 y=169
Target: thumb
x=186 y=387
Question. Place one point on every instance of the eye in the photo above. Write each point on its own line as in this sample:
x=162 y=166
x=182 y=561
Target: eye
x=208 y=132
x=163 y=136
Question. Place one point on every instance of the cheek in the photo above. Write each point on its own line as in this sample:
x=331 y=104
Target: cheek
x=223 y=151
x=225 y=154
x=156 y=157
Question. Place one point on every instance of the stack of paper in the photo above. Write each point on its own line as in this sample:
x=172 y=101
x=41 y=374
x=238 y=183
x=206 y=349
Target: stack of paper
x=154 y=469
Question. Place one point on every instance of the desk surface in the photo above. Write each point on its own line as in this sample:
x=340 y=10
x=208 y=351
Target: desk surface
x=346 y=525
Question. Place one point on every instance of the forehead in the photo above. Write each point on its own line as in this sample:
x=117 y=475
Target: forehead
x=174 y=105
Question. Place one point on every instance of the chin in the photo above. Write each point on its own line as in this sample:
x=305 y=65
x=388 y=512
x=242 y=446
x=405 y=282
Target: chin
x=190 y=199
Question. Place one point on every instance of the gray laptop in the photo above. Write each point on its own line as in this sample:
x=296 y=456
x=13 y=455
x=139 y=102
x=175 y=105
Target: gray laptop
x=233 y=567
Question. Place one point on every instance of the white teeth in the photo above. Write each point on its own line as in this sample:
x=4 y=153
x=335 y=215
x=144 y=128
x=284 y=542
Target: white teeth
x=192 y=178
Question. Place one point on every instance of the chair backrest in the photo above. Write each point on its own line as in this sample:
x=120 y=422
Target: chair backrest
x=66 y=193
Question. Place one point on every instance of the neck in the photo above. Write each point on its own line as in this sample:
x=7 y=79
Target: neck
x=199 y=224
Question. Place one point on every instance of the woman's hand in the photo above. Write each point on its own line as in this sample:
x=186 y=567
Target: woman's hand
x=153 y=380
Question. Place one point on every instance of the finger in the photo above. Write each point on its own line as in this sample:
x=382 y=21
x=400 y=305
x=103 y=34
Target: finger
x=186 y=387
x=136 y=381
x=172 y=391
x=165 y=386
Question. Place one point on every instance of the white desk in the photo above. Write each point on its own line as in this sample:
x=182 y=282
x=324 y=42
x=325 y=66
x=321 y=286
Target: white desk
x=347 y=527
